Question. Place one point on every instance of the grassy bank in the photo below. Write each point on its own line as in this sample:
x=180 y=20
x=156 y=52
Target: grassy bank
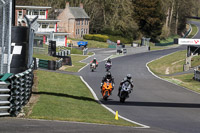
x=65 y=97
x=185 y=80
x=173 y=63
x=76 y=64
x=169 y=64
x=194 y=31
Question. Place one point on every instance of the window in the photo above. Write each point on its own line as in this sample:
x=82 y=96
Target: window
x=44 y=25
x=42 y=12
x=77 y=22
x=29 y=12
x=86 y=32
x=82 y=22
x=19 y=14
x=78 y=31
x=35 y=12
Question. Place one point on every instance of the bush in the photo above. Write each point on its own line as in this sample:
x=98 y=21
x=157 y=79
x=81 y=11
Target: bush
x=96 y=37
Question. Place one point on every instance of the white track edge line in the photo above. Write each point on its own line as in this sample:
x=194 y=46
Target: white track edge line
x=112 y=111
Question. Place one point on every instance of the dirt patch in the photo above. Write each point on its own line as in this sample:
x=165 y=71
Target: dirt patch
x=167 y=70
x=177 y=62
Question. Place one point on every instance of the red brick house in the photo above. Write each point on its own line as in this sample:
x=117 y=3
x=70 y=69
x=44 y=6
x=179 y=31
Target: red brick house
x=74 y=20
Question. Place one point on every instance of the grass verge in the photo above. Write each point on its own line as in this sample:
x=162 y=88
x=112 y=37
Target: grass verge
x=169 y=64
x=65 y=97
x=76 y=64
x=185 y=80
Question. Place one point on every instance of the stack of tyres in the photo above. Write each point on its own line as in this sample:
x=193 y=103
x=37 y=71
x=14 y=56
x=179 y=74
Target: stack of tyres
x=19 y=49
x=67 y=60
x=52 y=65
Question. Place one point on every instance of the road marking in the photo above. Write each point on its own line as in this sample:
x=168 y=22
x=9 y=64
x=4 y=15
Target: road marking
x=109 y=109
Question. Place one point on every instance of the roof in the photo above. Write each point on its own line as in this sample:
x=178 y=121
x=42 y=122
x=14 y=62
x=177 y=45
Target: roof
x=33 y=7
x=47 y=20
x=78 y=12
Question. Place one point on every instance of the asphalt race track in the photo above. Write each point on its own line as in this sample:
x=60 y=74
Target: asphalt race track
x=153 y=102
x=163 y=106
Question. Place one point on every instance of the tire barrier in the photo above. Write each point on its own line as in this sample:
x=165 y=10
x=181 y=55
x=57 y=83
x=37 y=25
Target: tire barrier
x=15 y=91
x=67 y=60
x=19 y=49
x=21 y=89
x=50 y=65
x=62 y=53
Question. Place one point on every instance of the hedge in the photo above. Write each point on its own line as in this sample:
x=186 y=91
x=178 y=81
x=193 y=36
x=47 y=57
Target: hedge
x=96 y=37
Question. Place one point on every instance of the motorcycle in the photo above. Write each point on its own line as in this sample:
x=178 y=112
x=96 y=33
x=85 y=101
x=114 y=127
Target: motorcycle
x=106 y=89
x=125 y=91
x=92 y=67
x=108 y=66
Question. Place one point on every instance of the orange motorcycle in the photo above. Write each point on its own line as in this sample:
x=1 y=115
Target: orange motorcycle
x=106 y=90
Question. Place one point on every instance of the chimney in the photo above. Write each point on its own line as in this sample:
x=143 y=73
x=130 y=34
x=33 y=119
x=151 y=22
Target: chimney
x=67 y=4
x=81 y=5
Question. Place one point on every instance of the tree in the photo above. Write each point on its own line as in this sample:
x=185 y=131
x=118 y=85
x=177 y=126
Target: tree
x=149 y=17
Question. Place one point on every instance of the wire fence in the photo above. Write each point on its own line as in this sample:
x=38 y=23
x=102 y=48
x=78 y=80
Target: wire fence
x=5 y=35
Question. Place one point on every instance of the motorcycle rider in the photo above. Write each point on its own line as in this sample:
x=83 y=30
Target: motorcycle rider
x=127 y=78
x=108 y=77
x=108 y=61
x=95 y=62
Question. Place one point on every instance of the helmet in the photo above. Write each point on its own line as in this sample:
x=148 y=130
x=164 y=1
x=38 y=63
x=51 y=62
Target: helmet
x=129 y=76
x=109 y=59
x=108 y=75
x=94 y=58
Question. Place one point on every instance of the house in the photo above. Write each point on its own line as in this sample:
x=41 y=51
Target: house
x=74 y=20
x=48 y=28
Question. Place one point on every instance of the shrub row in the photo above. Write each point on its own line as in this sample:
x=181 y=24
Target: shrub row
x=104 y=38
x=96 y=37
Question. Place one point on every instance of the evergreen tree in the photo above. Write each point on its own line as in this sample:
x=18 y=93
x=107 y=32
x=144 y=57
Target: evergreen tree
x=149 y=17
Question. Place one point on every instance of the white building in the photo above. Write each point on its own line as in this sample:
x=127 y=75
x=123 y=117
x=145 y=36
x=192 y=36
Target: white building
x=48 y=29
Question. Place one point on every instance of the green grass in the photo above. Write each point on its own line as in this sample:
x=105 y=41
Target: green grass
x=173 y=62
x=65 y=97
x=44 y=57
x=196 y=61
x=169 y=39
x=194 y=31
x=185 y=80
x=76 y=64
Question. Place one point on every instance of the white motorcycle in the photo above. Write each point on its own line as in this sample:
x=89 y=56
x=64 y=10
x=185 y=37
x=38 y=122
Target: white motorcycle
x=125 y=91
x=92 y=67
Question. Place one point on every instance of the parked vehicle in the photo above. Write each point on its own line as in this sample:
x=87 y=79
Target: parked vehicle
x=108 y=66
x=106 y=90
x=125 y=91
x=82 y=43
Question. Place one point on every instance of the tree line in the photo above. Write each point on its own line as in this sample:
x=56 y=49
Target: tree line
x=133 y=19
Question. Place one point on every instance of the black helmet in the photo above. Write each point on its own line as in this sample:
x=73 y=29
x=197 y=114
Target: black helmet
x=109 y=59
x=129 y=76
x=108 y=75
